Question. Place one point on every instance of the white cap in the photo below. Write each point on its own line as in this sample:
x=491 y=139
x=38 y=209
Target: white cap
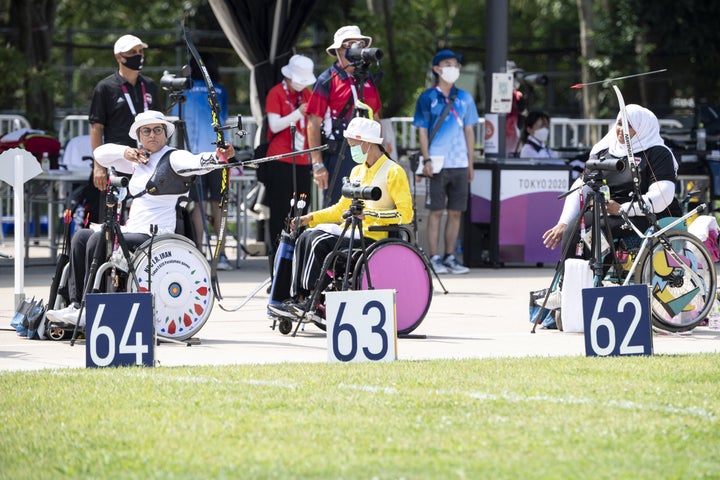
x=150 y=117
x=348 y=32
x=364 y=129
x=128 y=42
x=300 y=70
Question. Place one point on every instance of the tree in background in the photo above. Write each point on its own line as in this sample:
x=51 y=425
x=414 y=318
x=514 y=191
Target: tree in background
x=29 y=51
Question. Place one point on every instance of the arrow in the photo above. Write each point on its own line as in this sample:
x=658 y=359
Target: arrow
x=581 y=85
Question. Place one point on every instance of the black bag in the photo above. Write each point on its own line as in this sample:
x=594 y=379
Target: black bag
x=414 y=160
x=334 y=145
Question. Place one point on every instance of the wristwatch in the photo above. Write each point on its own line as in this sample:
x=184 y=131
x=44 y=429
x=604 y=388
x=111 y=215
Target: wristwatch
x=427 y=160
x=318 y=166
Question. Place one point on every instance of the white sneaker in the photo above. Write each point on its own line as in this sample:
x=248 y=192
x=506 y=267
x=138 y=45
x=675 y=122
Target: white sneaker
x=453 y=266
x=437 y=264
x=68 y=314
x=223 y=263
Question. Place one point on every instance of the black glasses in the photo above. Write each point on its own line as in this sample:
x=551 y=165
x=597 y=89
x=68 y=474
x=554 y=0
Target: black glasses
x=147 y=130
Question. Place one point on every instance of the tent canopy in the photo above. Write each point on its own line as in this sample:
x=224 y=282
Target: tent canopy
x=263 y=33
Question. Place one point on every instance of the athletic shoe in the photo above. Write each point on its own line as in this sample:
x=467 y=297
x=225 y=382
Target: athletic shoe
x=58 y=315
x=68 y=315
x=437 y=264
x=284 y=309
x=223 y=263
x=453 y=266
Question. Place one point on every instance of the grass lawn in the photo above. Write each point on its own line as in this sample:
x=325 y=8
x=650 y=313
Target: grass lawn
x=558 y=418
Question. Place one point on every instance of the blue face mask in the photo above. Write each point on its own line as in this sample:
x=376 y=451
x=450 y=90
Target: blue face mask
x=357 y=154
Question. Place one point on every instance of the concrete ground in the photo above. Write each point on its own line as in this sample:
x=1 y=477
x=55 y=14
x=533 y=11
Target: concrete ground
x=485 y=314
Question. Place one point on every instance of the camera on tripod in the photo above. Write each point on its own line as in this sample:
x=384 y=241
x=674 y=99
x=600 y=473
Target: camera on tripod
x=364 y=55
x=607 y=165
x=356 y=192
x=177 y=83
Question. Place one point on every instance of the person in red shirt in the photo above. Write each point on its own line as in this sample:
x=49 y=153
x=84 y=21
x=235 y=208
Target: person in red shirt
x=334 y=102
x=285 y=106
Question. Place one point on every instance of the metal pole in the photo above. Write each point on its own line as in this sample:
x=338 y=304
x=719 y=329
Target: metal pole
x=497 y=51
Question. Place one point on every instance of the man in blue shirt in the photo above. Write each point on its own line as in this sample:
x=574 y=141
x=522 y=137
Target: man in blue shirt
x=201 y=136
x=447 y=157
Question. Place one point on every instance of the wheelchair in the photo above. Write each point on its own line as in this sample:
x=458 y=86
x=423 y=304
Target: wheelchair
x=390 y=263
x=168 y=265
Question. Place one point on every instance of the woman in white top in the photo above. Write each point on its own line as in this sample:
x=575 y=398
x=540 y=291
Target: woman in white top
x=149 y=207
x=534 y=136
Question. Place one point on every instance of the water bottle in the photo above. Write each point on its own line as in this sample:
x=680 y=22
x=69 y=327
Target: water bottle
x=714 y=317
x=701 y=137
x=605 y=190
x=45 y=162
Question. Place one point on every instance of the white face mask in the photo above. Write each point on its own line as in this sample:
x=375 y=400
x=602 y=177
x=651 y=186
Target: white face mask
x=297 y=87
x=450 y=74
x=542 y=134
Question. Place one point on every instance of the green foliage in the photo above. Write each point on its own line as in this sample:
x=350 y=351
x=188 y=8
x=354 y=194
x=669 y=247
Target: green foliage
x=631 y=36
x=600 y=418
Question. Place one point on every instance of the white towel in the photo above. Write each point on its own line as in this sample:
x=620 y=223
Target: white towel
x=577 y=276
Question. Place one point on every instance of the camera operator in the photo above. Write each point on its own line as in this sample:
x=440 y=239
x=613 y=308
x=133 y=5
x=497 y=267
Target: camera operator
x=334 y=102
x=657 y=169
x=115 y=102
x=149 y=207
x=373 y=173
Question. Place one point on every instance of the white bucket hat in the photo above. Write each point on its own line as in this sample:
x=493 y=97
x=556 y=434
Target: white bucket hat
x=300 y=70
x=127 y=42
x=364 y=129
x=150 y=117
x=348 y=32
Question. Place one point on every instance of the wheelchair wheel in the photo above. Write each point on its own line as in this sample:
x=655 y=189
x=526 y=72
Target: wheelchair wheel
x=181 y=284
x=398 y=265
x=681 y=293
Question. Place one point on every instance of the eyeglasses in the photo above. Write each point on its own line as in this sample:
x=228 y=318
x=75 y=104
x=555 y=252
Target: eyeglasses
x=356 y=43
x=156 y=130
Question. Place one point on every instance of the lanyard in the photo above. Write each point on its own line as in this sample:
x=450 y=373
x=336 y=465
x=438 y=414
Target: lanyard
x=452 y=108
x=129 y=101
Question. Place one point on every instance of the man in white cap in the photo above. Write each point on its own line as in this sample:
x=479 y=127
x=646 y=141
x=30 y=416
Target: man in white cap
x=372 y=167
x=116 y=100
x=149 y=207
x=285 y=106
x=332 y=106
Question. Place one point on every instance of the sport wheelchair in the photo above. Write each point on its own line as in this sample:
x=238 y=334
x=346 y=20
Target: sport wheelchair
x=169 y=265
x=390 y=263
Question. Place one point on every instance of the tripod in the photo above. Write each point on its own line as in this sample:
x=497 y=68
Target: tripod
x=360 y=75
x=353 y=223
x=109 y=231
x=596 y=203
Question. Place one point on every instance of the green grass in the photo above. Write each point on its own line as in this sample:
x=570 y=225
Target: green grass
x=614 y=418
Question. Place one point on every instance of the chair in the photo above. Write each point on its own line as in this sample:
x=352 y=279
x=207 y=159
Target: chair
x=78 y=154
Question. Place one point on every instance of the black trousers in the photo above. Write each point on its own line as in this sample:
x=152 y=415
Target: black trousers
x=82 y=251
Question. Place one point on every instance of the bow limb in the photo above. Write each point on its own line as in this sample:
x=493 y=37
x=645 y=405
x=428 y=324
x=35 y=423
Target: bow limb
x=628 y=148
x=220 y=143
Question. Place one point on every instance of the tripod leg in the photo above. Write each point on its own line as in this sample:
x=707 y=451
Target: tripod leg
x=559 y=268
x=319 y=283
x=96 y=261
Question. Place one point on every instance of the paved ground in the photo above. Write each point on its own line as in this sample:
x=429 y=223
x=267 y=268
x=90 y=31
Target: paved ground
x=485 y=314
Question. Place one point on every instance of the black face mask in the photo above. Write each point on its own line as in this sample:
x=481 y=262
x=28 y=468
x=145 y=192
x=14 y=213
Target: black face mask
x=134 y=62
